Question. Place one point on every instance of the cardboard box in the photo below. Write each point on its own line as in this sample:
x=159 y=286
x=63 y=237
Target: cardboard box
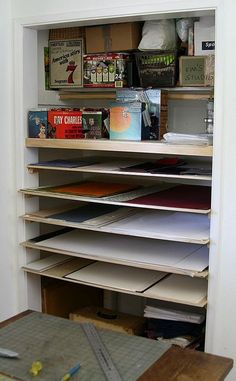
x=126 y=121
x=65 y=124
x=59 y=298
x=37 y=124
x=66 y=63
x=196 y=71
x=113 y=37
x=105 y=70
x=108 y=319
x=71 y=33
x=204 y=36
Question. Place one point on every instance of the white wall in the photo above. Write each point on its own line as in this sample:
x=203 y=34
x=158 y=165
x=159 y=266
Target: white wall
x=221 y=336
x=8 y=256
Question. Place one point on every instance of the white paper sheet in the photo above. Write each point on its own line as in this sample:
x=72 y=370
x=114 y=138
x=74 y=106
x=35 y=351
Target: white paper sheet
x=47 y=263
x=180 y=289
x=131 y=249
x=117 y=276
x=166 y=225
x=173 y=314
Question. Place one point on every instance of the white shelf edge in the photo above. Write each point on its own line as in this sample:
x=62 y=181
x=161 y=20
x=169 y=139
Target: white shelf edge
x=36 y=193
x=148 y=266
x=122 y=173
x=107 y=229
x=46 y=273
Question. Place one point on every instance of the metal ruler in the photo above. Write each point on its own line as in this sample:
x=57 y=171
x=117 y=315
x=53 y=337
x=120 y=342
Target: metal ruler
x=101 y=353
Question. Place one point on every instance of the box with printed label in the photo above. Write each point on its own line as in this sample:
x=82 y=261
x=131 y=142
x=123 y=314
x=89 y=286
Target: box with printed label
x=204 y=36
x=37 y=124
x=66 y=63
x=65 y=124
x=155 y=114
x=92 y=124
x=126 y=121
x=105 y=70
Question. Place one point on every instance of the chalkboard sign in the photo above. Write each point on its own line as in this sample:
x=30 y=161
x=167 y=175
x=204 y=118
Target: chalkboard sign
x=192 y=71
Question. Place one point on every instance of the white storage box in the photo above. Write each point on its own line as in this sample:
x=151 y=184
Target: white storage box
x=204 y=36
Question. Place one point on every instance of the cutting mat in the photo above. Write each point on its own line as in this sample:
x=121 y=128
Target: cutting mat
x=60 y=344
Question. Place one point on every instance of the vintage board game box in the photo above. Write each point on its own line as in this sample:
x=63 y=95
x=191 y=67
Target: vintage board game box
x=66 y=63
x=155 y=113
x=92 y=124
x=108 y=319
x=37 y=124
x=126 y=121
x=65 y=124
x=105 y=70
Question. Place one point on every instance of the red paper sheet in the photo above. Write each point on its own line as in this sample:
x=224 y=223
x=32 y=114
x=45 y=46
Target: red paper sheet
x=180 y=196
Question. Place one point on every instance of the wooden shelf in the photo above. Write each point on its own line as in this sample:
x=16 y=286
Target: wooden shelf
x=112 y=226
x=190 y=93
x=83 y=93
x=64 y=270
x=121 y=146
x=89 y=169
x=148 y=266
x=44 y=193
x=181 y=93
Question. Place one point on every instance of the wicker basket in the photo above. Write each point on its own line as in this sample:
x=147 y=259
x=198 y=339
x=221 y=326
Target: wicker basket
x=157 y=68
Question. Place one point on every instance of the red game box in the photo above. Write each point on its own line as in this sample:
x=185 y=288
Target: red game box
x=65 y=124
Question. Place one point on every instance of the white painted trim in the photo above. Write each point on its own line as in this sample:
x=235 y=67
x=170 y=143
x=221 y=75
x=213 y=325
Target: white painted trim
x=122 y=13
x=25 y=92
x=146 y=10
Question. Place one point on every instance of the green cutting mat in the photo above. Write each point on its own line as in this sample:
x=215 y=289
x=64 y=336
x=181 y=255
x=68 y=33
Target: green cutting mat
x=60 y=344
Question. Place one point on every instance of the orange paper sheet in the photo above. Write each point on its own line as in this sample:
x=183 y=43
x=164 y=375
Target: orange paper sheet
x=93 y=189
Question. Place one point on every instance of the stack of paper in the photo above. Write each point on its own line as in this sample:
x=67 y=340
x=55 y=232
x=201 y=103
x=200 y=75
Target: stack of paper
x=180 y=289
x=47 y=263
x=166 y=255
x=173 y=314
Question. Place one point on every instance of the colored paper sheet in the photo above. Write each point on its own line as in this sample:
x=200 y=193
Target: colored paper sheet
x=93 y=189
x=84 y=213
x=73 y=163
x=180 y=196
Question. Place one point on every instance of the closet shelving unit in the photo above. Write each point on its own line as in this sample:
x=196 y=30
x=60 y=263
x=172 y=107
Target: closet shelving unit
x=165 y=281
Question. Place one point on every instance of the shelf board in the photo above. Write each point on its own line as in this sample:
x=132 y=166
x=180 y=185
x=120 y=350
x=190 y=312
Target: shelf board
x=182 y=93
x=138 y=252
x=150 y=147
x=85 y=93
x=41 y=217
x=64 y=196
x=61 y=271
x=89 y=169
x=190 y=93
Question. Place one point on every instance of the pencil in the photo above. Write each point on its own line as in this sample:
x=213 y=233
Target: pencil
x=71 y=372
